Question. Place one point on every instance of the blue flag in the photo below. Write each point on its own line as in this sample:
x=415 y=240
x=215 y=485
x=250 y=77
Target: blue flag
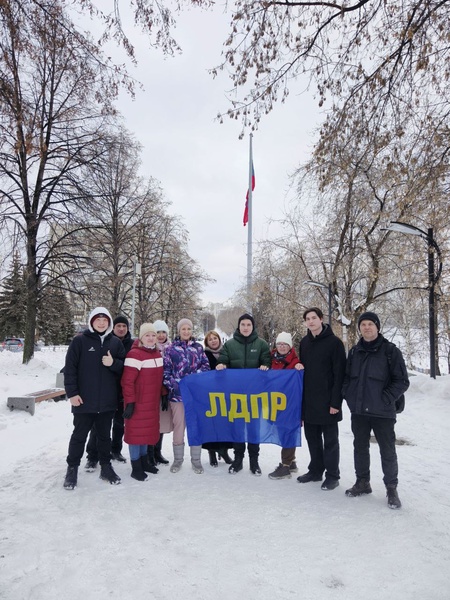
x=243 y=405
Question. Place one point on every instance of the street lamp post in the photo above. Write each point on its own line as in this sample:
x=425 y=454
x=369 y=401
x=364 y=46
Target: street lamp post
x=433 y=278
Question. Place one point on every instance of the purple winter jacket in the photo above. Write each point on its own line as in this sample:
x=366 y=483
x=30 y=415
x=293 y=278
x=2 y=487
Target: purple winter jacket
x=182 y=358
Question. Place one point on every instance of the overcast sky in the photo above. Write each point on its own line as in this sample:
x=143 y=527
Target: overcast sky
x=202 y=165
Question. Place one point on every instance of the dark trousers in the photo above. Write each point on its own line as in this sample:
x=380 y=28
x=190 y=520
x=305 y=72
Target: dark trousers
x=287 y=456
x=323 y=445
x=384 y=432
x=118 y=429
x=239 y=450
x=82 y=425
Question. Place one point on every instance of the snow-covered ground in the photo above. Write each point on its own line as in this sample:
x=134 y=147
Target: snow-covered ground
x=216 y=536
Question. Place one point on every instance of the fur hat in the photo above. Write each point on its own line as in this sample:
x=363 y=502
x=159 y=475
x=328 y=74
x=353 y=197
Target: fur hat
x=161 y=326
x=182 y=322
x=284 y=338
x=146 y=328
x=370 y=316
x=121 y=319
x=246 y=316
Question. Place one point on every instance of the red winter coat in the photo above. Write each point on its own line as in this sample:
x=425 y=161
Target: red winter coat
x=284 y=362
x=141 y=383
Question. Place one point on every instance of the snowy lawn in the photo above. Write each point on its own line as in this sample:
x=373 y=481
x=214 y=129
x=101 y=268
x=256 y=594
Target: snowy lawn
x=216 y=536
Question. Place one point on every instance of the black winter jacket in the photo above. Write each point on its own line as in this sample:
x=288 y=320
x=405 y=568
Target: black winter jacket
x=324 y=360
x=127 y=342
x=86 y=376
x=371 y=384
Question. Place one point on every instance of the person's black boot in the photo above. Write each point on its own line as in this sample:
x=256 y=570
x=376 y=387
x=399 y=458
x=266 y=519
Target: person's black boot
x=254 y=466
x=236 y=465
x=118 y=456
x=223 y=453
x=108 y=474
x=159 y=458
x=393 y=500
x=212 y=458
x=147 y=464
x=70 y=482
x=137 y=472
x=361 y=488
x=151 y=456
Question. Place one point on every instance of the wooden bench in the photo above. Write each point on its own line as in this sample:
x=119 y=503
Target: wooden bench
x=28 y=401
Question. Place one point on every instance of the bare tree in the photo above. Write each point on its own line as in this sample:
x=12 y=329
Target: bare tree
x=55 y=104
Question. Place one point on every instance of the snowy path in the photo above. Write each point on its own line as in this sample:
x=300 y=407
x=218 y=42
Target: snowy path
x=216 y=536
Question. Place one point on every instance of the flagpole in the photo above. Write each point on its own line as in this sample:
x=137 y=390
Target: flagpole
x=250 y=225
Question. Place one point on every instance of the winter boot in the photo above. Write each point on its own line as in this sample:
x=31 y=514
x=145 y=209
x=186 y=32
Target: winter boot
x=254 y=466
x=212 y=458
x=393 y=501
x=196 y=452
x=118 y=456
x=70 y=482
x=159 y=458
x=178 y=458
x=330 y=484
x=150 y=463
x=281 y=472
x=137 y=472
x=236 y=465
x=223 y=453
x=90 y=465
x=307 y=477
x=108 y=474
x=147 y=465
x=361 y=488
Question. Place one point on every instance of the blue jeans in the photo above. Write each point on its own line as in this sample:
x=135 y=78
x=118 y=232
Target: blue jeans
x=137 y=451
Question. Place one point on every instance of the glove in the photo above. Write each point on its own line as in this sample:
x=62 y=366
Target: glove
x=129 y=410
x=165 y=402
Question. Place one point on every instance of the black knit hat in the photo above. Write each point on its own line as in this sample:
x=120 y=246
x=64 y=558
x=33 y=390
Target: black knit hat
x=246 y=316
x=121 y=319
x=370 y=316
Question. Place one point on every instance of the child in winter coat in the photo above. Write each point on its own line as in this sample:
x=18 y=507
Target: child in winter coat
x=284 y=356
x=141 y=386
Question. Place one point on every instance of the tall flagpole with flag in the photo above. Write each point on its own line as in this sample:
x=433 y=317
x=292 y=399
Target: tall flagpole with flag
x=249 y=222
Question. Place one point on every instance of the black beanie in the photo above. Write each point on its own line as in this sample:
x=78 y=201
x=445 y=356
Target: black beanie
x=370 y=316
x=246 y=316
x=121 y=319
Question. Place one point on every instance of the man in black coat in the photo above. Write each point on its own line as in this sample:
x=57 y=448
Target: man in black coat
x=94 y=364
x=323 y=356
x=375 y=378
x=120 y=330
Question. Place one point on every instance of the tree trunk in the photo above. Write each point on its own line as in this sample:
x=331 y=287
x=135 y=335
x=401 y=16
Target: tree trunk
x=32 y=295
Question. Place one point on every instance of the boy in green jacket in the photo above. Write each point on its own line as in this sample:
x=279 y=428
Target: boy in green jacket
x=245 y=351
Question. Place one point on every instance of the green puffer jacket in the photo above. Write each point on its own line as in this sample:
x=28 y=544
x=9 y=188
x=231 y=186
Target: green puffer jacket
x=245 y=352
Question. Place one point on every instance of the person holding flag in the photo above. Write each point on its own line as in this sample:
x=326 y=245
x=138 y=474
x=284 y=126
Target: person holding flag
x=245 y=350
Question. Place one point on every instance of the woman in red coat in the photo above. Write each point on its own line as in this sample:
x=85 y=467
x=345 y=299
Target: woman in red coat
x=284 y=356
x=141 y=386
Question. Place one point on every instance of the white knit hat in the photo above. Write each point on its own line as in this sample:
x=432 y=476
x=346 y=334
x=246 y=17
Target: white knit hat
x=146 y=328
x=161 y=326
x=284 y=338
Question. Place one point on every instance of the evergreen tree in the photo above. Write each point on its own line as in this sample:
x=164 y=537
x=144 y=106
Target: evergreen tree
x=13 y=296
x=55 y=317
